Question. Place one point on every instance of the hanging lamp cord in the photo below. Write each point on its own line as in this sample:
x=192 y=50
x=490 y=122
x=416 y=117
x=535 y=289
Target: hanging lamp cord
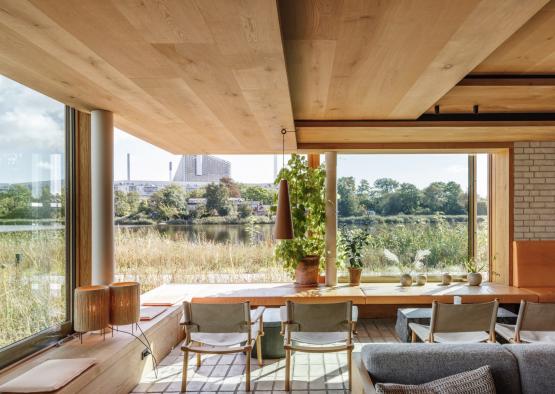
x=283 y=132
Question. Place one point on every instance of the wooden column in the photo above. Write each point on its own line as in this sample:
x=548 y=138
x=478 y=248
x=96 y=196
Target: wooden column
x=314 y=160
x=331 y=218
x=500 y=217
x=83 y=253
x=472 y=206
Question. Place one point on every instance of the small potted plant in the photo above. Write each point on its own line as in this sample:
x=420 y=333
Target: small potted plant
x=351 y=244
x=420 y=265
x=473 y=269
x=407 y=268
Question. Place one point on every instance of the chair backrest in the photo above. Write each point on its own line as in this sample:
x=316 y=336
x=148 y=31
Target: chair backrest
x=464 y=317
x=218 y=318
x=335 y=317
x=534 y=316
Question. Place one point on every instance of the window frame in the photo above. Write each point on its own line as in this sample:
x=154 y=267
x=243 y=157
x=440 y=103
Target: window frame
x=472 y=246
x=44 y=339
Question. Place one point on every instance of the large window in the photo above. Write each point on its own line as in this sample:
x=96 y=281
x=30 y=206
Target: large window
x=415 y=205
x=34 y=273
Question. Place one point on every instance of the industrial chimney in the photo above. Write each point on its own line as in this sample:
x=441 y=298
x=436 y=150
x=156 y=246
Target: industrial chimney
x=128 y=167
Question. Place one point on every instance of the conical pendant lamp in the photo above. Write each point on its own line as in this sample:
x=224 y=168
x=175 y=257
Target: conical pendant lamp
x=283 y=228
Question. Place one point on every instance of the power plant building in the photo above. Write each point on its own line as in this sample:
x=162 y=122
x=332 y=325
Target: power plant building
x=201 y=169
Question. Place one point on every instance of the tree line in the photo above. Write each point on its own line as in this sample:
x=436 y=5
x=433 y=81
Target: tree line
x=18 y=202
x=170 y=202
x=387 y=196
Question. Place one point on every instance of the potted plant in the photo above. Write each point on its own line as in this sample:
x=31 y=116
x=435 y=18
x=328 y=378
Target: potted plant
x=407 y=267
x=351 y=244
x=473 y=269
x=303 y=255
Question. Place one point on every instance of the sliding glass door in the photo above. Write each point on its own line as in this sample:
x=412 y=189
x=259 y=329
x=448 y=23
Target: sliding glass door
x=35 y=272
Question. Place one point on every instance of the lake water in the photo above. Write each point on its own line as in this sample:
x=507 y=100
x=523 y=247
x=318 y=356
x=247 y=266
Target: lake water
x=220 y=233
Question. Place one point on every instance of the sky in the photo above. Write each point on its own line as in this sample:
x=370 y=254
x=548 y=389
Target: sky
x=419 y=169
x=32 y=146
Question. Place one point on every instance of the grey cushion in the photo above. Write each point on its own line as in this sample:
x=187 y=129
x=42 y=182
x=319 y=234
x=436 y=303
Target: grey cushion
x=417 y=363
x=477 y=381
x=536 y=363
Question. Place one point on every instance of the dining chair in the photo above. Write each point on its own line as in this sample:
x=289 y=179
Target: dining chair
x=458 y=323
x=221 y=329
x=535 y=323
x=318 y=328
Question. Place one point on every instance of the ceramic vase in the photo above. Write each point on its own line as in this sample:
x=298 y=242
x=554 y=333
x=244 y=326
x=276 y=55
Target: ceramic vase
x=421 y=279
x=474 y=278
x=406 y=280
x=446 y=279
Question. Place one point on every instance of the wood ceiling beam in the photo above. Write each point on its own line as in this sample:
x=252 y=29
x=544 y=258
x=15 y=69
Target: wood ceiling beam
x=440 y=129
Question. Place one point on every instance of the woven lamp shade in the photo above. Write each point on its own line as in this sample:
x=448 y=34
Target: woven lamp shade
x=125 y=303
x=283 y=228
x=92 y=308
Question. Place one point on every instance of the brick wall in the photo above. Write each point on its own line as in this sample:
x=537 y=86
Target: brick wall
x=534 y=190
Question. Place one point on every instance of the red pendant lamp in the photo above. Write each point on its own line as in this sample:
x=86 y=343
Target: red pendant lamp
x=283 y=228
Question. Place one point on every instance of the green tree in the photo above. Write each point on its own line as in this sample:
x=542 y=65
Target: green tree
x=455 y=199
x=386 y=185
x=16 y=202
x=347 y=204
x=257 y=193
x=217 y=196
x=168 y=203
x=121 y=205
x=244 y=210
x=134 y=201
x=232 y=187
x=434 y=197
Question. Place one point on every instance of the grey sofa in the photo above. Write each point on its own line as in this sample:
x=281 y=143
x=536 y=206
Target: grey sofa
x=523 y=368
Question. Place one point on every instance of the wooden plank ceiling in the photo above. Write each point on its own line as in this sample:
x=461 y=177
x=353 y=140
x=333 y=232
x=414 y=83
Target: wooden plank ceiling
x=225 y=76
x=188 y=76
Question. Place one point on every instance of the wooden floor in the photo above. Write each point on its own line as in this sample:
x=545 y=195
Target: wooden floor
x=312 y=373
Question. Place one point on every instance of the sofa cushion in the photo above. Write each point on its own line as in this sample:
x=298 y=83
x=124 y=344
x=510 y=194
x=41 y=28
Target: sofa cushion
x=477 y=381
x=535 y=363
x=417 y=363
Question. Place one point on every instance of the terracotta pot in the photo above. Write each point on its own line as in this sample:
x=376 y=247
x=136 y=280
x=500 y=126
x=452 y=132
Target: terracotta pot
x=474 y=278
x=406 y=280
x=446 y=279
x=321 y=279
x=421 y=279
x=306 y=273
x=354 y=276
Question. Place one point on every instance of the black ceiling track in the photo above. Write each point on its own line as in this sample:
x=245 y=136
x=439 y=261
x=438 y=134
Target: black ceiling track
x=489 y=117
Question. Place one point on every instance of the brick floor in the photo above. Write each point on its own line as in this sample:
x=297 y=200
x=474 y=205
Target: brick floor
x=312 y=373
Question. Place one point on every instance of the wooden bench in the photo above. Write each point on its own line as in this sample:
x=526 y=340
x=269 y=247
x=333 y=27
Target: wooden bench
x=534 y=268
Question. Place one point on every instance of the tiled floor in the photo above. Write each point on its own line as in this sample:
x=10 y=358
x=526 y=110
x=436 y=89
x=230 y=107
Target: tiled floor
x=312 y=373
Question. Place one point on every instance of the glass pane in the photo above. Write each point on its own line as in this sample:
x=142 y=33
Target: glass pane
x=407 y=203
x=32 y=212
x=205 y=218
x=482 y=236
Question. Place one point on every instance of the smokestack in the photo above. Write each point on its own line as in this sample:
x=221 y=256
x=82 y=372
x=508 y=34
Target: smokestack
x=170 y=171
x=128 y=167
x=275 y=166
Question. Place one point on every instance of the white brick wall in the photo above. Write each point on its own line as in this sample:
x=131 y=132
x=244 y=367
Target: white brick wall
x=534 y=190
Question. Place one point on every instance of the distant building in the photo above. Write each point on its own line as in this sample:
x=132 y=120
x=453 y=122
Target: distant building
x=201 y=168
x=144 y=188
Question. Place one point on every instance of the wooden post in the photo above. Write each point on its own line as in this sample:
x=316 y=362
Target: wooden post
x=314 y=160
x=331 y=218
x=472 y=206
x=83 y=199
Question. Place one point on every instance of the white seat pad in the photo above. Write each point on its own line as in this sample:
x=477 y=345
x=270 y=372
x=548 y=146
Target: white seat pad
x=223 y=339
x=423 y=332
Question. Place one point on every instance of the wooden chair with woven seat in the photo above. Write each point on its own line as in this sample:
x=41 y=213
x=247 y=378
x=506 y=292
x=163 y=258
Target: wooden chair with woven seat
x=222 y=329
x=458 y=323
x=318 y=328
x=535 y=323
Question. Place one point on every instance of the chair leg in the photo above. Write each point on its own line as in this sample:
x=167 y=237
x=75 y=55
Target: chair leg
x=413 y=337
x=185 y=366
x=287 y=369
x=350 y=366
x=198 y=360
x=248 y=371
x=259 y=350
